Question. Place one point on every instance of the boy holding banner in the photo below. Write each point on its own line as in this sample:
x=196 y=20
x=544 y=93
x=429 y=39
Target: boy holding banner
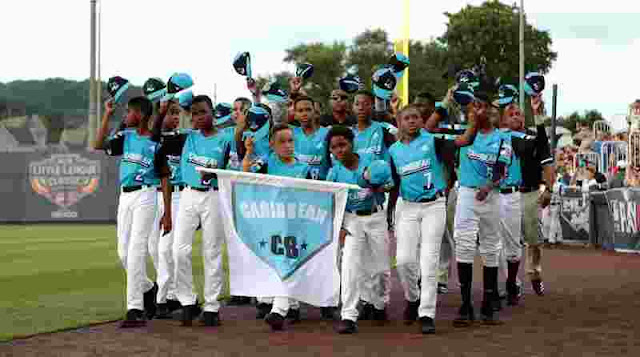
x=203 y=147
x=281 y=162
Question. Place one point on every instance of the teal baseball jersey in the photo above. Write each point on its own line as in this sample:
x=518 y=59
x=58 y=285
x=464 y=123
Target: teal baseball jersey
x=312 y=150
x=138 y=153
x=418 y=167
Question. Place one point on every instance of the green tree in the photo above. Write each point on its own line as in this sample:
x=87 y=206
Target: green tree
x=428 y=63
x=328 y=61
x=589 y=117
x=369 y=51
x=60 y=103
x=491 y=30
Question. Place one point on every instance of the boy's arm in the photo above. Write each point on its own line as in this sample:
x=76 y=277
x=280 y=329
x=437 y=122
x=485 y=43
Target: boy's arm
x=104 y=127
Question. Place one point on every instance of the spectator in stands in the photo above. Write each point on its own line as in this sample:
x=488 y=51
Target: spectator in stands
x=617 y=179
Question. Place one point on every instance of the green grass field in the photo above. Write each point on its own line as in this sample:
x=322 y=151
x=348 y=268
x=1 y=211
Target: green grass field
x=55 y=277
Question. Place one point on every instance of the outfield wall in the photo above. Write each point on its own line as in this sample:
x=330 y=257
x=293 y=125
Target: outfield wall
x=82 y=186
x=76 y=186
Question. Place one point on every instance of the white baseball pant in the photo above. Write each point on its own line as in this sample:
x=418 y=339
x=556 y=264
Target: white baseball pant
x=420 y=230
x=281 y=305
x=555 y=229
x=366 y=242
x=161 y=250
x=448 y=245
x=199 y=207
x=511 y=219
x=475 y=218
x=136 y=211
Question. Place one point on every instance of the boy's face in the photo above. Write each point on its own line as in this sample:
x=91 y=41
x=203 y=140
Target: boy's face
x=201 y=116
x=133 y=118
x=304 y=112
x=172 y=120
x=362 y=106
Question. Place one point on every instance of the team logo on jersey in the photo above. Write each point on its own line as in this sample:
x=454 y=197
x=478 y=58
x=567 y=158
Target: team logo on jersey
x=64 y=179
x=415 y=166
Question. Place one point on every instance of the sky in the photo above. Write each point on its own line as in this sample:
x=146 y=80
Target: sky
x=598 y=43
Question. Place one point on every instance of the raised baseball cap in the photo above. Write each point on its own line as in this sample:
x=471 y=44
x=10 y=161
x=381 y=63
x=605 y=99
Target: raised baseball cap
x=304 y=70
x=222 y=113
x=350 y=83
x=533 y=83
x=469 y=77
x=399 y=62
x=117 y=87
x=177 y=83
x=242 y=64
x=384 y=82
x=154 y=89
x=507 y=93
x=257 y=117
x=274 y=93
x=464 y=94
x=185 y=99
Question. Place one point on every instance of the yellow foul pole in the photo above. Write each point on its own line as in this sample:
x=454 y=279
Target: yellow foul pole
x=402 y=46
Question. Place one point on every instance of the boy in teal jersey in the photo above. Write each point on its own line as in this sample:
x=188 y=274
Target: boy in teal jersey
x=161 y=245
x=310 y=144
x=418 y=162
x=374 y=138
x=137 y=202
x=281 y=162
x=364 y=230
x=482 y=166
x=204 y=147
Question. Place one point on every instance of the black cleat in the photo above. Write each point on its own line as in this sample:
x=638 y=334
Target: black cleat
x=262 y=310
x=411 y=312
x=189 y=313
x=428 y=326
x=347 y=327
x=275 y=320
x=465 y=316
x=163 y=312
x=293 y=315
x=134 y=318
x=514 y=293
x=211 y=318
x=489 y=314
x=150 y=306
x=379 y=316
x=328 y=313
x=367 y=311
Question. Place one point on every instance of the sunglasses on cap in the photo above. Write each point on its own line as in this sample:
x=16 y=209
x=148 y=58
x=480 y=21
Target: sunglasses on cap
x=339 y=97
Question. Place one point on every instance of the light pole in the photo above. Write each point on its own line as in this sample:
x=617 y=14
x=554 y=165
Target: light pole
x=93 y=106
x=522 y=54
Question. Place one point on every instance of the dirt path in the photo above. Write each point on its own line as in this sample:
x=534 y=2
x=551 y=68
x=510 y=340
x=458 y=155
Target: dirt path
x=591 y=307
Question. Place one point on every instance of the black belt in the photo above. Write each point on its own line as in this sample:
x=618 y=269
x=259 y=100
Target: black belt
x=366 y=212
x=203 y=189
x=173 y=188
x=128 y=189
x=431 y=199
x=509 y=190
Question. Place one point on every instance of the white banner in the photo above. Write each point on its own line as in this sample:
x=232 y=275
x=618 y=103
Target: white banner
x=282 y=235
